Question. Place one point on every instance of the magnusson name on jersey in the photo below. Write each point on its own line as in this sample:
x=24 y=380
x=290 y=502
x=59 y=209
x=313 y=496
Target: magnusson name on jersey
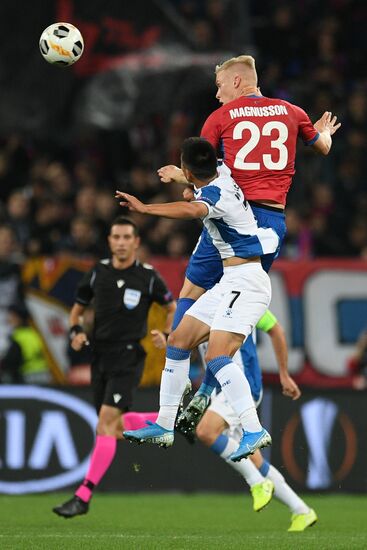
x=269 y=110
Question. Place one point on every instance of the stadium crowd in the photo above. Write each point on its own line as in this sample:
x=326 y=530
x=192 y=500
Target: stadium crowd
x=57 y=199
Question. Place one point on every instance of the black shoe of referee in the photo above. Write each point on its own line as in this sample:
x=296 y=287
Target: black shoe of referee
x=73 y=507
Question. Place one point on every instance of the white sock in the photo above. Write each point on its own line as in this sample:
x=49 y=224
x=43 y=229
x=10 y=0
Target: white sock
x=284 y=493
x=173 y=384
x=237 y=391
x=245 y=468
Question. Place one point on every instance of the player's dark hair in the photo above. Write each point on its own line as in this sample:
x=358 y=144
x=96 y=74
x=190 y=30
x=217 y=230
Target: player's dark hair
x=198 y=156
x=123 y=220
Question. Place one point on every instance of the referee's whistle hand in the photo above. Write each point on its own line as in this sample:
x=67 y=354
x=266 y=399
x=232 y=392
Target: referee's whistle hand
x=159 y=339
x=79 y=341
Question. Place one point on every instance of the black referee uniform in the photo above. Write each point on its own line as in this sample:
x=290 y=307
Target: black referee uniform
x=121 y=300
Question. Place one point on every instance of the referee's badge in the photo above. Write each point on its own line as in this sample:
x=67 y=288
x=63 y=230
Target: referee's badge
x=131 y=298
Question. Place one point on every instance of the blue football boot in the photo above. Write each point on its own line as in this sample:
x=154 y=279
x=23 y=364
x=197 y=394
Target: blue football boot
x=153 y=433
x=249 y=443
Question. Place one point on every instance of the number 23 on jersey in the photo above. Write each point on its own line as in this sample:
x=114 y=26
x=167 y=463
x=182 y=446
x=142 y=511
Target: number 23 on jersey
x=277 y=150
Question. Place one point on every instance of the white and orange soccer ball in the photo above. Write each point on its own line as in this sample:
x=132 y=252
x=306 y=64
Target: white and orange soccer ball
x=61 y=44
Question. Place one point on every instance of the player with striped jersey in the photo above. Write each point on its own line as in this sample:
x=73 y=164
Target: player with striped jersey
x=225 y=314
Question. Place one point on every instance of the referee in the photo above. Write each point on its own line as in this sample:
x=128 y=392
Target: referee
x=122 y=290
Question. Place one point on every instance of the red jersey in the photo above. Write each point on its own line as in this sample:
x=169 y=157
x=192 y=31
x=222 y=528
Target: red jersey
x=256 y=137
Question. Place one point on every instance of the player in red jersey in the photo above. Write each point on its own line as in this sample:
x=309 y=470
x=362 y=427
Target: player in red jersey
x=256 y=137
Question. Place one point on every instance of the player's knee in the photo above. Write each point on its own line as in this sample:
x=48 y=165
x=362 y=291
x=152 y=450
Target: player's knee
x=110 y=426
x=103 y=428
x=205 y=434
x=175 y=340
x=189 y=290
x=110 y=431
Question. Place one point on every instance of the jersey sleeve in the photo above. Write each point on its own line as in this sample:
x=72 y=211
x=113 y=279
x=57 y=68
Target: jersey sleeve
x=159 y=291
x=85 y=291
x=211 y=131
x=210 y=195
x=267 y=321
x=306 y=129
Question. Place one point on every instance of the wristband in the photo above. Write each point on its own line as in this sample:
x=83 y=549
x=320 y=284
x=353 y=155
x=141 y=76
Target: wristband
x=74 y=330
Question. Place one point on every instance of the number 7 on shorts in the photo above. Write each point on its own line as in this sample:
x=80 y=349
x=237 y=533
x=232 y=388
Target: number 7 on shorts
x=236 y=295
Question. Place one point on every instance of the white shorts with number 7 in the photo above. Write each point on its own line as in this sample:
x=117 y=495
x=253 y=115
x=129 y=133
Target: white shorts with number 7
x=237 y=302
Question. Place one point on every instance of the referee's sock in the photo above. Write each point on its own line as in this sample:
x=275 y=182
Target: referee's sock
x=173 y=383
x=102 y=456
x=236 y=390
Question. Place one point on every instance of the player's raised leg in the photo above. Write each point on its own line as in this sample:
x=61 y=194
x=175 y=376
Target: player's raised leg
x=244 y=295
x=173 y=383
x=238 y=393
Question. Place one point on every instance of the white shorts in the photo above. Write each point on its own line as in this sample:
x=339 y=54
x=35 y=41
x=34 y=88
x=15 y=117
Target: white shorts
x=237 y=302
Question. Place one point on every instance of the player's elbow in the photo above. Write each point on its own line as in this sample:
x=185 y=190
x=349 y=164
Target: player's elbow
x=277 y=332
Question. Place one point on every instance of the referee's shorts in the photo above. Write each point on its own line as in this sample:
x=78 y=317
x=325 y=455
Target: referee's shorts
x=115 y=375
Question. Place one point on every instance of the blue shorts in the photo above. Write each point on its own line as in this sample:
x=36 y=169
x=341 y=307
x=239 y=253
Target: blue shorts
x=205 y=267
x=266 y=216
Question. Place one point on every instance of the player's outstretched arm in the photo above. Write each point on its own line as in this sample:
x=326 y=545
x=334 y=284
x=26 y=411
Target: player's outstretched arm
x=327 y=125
x=175 y=210
x=172 y=174
x=279 y=342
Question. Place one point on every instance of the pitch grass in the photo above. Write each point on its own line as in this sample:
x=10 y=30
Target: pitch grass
x=165 y=521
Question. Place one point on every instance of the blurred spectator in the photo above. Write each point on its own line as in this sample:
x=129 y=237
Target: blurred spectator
x=48 y=229
x=107 y=209
x=298 y=240
x=177 y=246
x=358 y=363
x=25 y=360
x=85 y=202
x=357 y=238
x=11 y=291
x=85 y=174
x=83 y=240
x=18 y=216
x=14 y=164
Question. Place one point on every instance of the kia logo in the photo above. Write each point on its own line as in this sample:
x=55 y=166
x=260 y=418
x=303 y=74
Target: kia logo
x=46 y=437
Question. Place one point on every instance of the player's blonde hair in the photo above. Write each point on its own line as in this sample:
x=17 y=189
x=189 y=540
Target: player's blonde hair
x=247 y=60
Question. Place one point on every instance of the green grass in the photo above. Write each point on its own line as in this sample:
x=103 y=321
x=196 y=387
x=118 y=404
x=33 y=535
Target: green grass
x=162 y=521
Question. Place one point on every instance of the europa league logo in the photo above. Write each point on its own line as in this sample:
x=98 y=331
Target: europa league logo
x=318 y=419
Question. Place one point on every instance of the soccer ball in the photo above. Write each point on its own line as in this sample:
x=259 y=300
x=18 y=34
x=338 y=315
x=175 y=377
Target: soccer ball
x=61 y=44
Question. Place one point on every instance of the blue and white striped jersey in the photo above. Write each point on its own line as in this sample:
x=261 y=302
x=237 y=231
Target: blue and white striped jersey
x=230 y=221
